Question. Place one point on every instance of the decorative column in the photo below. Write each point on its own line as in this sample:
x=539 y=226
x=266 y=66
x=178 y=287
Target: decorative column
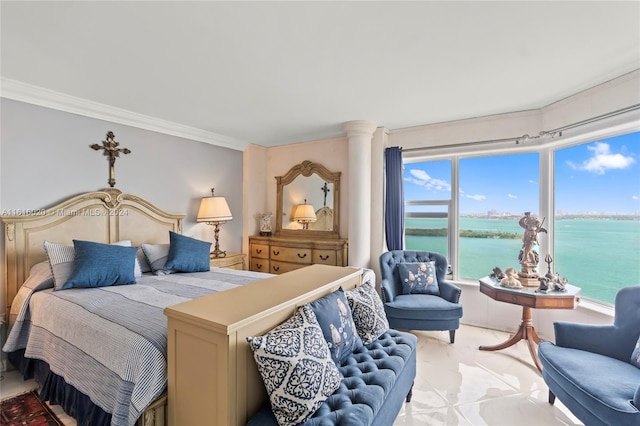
x=359 y=133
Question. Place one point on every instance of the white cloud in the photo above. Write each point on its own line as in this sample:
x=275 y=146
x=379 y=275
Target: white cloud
x=602 y=160
x=476 y=197
x=532 y=182
x=635 y=197
x=512 y=196
x=420 y=174
x=422 y=178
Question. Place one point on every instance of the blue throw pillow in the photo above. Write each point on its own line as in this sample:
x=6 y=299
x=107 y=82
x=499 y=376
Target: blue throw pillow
x=635 y=355
x=101 y=265
x=419 y=278
x=334 y=316
x=187 y=254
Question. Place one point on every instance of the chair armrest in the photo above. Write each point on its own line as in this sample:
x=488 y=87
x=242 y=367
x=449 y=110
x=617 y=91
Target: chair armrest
x=449 y=291
x=601 y=339
x=388 y=290
x=636 y=398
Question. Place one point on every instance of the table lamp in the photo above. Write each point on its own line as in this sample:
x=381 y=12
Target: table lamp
x=214 y=211
x=304 y=214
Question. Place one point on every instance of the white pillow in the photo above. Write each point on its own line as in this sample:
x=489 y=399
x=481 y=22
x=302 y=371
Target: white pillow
x=296 y=367
x=156 y=255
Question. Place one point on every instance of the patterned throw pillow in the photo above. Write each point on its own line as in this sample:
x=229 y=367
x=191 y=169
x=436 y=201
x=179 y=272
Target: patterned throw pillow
x=296 y=368
x=335 y=319
x=368 y=312
x=635 y=355
x=61 y=262
x=419 y=278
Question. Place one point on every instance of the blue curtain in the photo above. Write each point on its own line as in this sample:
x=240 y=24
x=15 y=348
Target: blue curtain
x=394 y=199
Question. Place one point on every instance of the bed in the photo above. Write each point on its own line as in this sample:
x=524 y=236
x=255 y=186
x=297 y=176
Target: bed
x=98 y=352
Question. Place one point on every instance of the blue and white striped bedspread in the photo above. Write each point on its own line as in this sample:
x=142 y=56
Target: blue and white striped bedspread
x=110 y=343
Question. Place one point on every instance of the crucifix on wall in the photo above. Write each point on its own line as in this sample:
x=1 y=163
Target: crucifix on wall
x=111 y=150
x=325 y=189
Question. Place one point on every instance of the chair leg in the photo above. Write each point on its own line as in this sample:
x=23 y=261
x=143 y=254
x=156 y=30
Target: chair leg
x=452 y=336
x=410 y=394
x=552 y=397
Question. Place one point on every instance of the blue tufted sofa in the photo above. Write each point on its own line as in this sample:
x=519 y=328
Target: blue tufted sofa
x=590 y=367
x=378 y=377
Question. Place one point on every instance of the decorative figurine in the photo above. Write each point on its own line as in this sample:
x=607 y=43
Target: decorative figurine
x=548 y=259
x=510 y=279
x=528 y=256
x=552 y=284
x=497 y=274
x=265 y=224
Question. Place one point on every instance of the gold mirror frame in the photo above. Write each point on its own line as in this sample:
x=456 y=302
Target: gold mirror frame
x=307 y=168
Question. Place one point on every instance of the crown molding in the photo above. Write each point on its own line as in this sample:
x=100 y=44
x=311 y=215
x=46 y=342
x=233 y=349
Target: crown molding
x=23 y=92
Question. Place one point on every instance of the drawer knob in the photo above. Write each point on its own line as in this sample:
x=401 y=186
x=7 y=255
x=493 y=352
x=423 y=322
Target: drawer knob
x=258 y=266
x=258 y=251
x=276 y=268
x=275 y=253
x=324 y=257
x=302 y=256
x=514 y=298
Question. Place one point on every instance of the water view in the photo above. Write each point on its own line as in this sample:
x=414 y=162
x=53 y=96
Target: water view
x=599 y=254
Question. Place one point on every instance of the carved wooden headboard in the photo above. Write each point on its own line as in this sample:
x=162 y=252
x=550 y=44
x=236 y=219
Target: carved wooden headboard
x=105 y=216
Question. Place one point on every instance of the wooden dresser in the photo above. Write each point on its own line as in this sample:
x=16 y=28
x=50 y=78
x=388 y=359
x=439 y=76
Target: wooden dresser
x=277 y=255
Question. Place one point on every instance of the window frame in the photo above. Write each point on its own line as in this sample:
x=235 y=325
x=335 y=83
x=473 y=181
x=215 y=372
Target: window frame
x=546 y=151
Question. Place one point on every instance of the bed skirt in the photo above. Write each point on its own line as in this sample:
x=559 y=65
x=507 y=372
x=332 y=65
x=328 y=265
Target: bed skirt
x=56 y=391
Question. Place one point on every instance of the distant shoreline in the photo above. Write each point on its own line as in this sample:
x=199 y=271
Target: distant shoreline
x=441 y=232
x=635 y=217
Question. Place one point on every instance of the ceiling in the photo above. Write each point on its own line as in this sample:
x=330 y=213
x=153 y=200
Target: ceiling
x=272 y=73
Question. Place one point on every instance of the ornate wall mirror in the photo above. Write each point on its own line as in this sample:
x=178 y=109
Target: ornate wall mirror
x=308 y=187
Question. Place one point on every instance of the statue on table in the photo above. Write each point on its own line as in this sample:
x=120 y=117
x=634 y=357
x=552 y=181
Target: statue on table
x=528 y=256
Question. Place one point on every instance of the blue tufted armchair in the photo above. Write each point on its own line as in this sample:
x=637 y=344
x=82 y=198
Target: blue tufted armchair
x=419 y=311
x=590 y=368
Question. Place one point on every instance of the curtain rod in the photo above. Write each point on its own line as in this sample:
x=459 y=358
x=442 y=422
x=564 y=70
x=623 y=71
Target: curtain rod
x=526 y=137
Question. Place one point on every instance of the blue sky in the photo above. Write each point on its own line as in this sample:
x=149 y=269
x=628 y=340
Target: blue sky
x=601 y=176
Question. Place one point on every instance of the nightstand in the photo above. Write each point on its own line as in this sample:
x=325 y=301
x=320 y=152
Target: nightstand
x=230 y=261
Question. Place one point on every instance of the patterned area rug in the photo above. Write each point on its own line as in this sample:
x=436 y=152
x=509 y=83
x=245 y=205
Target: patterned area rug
x=27 y=410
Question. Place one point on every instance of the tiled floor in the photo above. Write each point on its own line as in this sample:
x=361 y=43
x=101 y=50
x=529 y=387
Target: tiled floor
x=455 y=385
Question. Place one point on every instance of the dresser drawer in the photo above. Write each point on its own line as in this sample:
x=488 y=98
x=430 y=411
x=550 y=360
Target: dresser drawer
x=291 y=254
x=517 y=299
x=259 y=264
x=282 y=267
x=325 y=257
x=260 y=251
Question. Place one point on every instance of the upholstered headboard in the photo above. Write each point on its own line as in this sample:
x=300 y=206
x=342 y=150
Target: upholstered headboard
x=105 y=216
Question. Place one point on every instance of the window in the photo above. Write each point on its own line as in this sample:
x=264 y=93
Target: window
x=468 y=208
x=494 y=193
x=427 y=192
x=597 y=208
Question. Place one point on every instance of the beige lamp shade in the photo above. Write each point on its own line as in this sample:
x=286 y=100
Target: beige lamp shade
x=214 y=209
x=304 y=213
